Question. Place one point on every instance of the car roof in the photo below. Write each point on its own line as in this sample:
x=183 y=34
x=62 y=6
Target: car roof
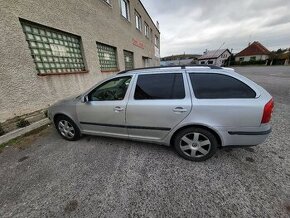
x=165 y=68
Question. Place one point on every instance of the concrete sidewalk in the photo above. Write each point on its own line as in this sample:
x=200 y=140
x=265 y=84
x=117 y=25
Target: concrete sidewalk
x=19 y=132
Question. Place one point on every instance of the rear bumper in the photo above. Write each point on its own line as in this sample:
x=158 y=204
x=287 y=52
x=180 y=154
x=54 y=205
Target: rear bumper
x=246 y=137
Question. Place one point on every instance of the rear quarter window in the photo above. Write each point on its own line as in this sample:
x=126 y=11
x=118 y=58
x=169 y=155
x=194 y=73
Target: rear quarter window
x=219 y=86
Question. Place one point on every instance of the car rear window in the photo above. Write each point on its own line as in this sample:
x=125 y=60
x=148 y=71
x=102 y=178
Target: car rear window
x=160 y=86
x=219 y=86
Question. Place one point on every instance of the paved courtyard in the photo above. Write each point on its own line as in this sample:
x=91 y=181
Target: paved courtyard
x=103 y=177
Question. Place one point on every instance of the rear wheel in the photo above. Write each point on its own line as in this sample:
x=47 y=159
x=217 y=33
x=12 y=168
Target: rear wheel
x=195 y=144
x=67 y=128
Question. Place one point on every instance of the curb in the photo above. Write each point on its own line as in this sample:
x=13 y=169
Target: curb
x=19 y=132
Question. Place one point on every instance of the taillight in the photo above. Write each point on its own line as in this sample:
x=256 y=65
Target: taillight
x=268 y=109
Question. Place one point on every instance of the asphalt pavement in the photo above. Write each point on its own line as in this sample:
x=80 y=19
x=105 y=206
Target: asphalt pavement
x=103 y=177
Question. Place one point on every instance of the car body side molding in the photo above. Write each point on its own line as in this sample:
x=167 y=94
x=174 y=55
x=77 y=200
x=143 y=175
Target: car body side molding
x=129 y=127
x=250 y=133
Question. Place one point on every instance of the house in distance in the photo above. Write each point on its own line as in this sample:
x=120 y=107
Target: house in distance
x=254 y=52
x=215 y=57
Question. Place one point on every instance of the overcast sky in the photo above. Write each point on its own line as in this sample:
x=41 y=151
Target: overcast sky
x=191 y=26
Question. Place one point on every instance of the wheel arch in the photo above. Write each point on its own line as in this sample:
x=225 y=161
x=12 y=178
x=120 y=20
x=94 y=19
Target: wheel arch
x=214 y=132
x=59 y=115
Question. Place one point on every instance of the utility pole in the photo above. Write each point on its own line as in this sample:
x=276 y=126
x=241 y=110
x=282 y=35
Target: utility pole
x=230 y=57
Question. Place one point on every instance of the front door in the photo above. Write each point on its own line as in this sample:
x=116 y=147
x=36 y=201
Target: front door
x=104 y=111
x=157 y=104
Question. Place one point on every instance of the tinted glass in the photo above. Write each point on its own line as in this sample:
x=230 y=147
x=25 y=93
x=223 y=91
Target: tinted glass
x=208 y=85
x=112 y=90
x=160 y=86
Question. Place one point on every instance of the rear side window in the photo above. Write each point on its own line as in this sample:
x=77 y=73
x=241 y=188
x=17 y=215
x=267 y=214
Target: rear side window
x=217 y=86
x=160 y=86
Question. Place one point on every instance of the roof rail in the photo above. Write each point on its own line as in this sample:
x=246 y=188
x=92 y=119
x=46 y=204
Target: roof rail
x=181 y=67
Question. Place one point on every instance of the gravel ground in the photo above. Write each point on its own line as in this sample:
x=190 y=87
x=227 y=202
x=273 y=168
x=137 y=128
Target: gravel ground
x=102 y=177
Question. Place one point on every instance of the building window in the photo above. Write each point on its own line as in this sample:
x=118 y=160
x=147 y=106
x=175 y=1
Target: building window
x=156 y=41
x=129 y=60
x=253 y=58
x=210 y=62
x=146 y=29
x=241 y=59
x=53 y=51
x=107 y=57
x=138 y=21
x=125 y=9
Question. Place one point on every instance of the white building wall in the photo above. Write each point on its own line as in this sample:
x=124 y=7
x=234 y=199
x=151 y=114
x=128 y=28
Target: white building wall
x=247 y=58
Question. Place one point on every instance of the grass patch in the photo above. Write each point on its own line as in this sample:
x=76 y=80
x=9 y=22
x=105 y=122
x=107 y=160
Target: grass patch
x=24 y=141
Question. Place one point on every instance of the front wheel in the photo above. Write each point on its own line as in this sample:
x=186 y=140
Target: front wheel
x=67 y=128
x=195 y=144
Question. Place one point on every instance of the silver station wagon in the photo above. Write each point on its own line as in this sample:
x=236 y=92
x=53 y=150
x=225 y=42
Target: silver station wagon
x=196 y=109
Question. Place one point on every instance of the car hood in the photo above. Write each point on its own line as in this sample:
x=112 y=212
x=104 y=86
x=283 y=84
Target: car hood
x=69 y=100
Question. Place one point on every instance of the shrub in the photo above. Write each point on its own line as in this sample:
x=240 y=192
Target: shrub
x=22 y=123
x=2 y=132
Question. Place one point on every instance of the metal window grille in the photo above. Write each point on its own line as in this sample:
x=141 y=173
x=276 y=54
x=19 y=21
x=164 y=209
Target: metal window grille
x=129 y=60
x=53 y=51
x=107 y=57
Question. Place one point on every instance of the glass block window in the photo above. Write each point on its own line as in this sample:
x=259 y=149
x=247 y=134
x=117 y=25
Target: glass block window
x=129 y=60
x=53 y=51
x=107 y=57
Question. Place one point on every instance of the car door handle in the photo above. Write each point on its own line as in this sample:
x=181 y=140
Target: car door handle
x=179 y=110
x=118 y=109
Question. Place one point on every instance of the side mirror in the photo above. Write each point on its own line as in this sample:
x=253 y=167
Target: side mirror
x=85 y=99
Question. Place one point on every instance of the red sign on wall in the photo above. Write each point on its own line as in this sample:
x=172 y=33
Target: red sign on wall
x=138 y=43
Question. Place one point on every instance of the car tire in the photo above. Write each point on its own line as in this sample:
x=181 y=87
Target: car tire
x=67 y=128
x=195 y=144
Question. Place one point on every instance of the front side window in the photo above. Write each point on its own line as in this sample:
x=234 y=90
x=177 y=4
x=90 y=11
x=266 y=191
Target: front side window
x=160 y=86
x=107 y=57
x=112 y=90
x=53 y=51
x=125 y=9
x=138 y=21
x=219 y=86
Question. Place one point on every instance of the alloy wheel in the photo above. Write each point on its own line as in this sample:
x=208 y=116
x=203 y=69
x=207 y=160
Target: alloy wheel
x=195 y=145
x=66 y=129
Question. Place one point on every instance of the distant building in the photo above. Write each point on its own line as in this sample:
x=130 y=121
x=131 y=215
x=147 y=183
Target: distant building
x=184 y=59
x=254 y=52
x=215 y=57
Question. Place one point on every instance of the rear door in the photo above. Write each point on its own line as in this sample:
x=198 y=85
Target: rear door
x=157 y=103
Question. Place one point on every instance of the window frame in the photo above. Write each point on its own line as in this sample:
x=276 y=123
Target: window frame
x=146 y=30
x=236 y=98
x=131 y=53
x=156 y=41
x=101 y=60
x=127 y=4
x=138 y=21
x=185 y=87
x=58 y=38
